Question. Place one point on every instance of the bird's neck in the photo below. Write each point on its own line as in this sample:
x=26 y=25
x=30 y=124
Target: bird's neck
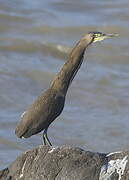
x=67 y=73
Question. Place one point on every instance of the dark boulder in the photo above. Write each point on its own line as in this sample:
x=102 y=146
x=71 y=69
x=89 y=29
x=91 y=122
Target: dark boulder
x=67 y=163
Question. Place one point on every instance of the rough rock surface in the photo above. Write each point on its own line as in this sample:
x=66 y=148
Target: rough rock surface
x=67 y=163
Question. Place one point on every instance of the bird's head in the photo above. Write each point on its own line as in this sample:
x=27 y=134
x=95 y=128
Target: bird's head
x=92 y=37
x=99 y=36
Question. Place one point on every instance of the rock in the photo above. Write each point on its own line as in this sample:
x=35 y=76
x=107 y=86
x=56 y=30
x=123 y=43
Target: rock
x=67 y=163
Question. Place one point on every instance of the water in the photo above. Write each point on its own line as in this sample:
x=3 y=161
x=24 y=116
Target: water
x=35 y=39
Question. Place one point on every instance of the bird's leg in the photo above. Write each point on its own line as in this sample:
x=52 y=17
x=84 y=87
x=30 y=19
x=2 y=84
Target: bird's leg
x=44 y=141
x=45 y=138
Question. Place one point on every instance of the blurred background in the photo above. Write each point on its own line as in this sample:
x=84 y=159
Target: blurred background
x=35 y=39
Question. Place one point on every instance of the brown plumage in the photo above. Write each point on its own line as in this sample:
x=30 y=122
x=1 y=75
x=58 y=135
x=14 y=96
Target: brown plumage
x=41 y=113
x=50 y=104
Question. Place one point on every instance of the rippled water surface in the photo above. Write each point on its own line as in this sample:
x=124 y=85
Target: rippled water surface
x=35 y=39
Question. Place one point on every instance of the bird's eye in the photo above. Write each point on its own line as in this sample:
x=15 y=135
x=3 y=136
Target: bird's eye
x=97 y=35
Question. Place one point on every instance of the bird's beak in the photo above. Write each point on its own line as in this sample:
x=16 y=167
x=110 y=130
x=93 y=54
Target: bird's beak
x=110 y=35
x=103 y=36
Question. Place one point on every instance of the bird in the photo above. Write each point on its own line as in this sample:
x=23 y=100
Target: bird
x=49 y=105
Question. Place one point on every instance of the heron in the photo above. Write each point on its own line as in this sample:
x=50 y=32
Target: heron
x=49 y=105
